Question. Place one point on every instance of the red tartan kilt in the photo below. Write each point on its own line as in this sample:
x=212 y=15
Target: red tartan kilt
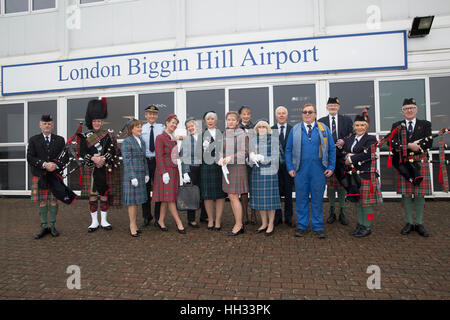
x=166 y=192
x=333 y=183
x=424 y=189
x=370 y=198
x=38 y=195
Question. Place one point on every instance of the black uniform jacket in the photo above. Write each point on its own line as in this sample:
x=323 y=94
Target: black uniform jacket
x=345 y=125
x=38 y=153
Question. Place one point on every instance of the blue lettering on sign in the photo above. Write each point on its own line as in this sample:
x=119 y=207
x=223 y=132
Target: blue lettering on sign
x=155 y=69
x=89 y=73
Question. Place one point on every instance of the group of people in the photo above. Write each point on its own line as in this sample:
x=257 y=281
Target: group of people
x=250 y=163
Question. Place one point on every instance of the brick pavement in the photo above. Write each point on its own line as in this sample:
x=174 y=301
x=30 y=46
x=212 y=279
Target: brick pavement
x=210 y=265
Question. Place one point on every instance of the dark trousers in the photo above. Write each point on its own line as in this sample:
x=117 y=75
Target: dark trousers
x=194 y=174
x=285 y=183
x=147 y=207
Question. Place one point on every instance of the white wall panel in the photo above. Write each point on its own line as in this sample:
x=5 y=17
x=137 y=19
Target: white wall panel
x=41 y=32
x=16 y=36
x=286 y=14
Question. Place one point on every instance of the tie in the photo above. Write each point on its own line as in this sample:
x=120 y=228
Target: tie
x=192 y=150
x=410 y=130
x=282 y=136
x=152 y=140
x=333 y=129
x=309 y=131
x=47 y=140
x=354 y=144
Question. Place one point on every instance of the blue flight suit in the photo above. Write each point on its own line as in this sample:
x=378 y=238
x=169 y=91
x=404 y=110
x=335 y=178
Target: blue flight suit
x=309 y=167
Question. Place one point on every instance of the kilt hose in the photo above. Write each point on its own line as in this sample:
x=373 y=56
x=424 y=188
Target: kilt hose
x=238 y=179
x=211 y=182
x=424 y=189
x=39 y=195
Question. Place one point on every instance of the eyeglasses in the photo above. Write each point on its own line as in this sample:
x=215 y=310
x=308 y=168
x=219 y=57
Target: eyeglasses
x=409 y=108
x=308 y=112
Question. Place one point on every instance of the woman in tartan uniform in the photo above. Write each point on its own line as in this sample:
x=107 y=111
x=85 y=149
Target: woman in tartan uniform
x=235 y=150
x=167 y=178
x=415 y=130
x=211 y=173
x=100 y=176
x=265 y=195
x=135 y=174
x=359 y=152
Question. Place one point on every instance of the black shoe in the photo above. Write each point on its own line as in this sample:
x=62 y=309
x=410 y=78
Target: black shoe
x=407 y=229
x=363 y=232
x=268 y=234
x=300 y=233
x=210 y=228
x=320 y=234
x=159 y=226
x=421 y=230
x=196 y=226
x=332 y=217
x=139 y=231
x=135 y=235
x=92 y=229
x=342 y=219
x=42 y=233
x=358 y=227
x=107 y=228
x=181 y=231
x=217 y=229
x=260 y=230
x=230 y=233
x=54 y=232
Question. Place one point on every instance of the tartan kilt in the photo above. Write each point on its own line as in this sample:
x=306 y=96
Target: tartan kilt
x=113 y=180
x=370 y=198
x=333 y=183
x=264 y=192
x=211 y=182
x=166 y=192
x=238 y=179
x=38 y=195
x=424 y=189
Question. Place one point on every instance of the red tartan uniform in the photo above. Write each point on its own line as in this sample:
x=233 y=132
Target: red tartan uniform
x=164 y=146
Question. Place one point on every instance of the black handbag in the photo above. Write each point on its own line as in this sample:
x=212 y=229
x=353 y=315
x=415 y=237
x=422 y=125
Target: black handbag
x=188 y=197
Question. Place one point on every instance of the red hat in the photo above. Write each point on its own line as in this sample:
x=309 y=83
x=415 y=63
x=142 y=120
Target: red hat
x=171 y=116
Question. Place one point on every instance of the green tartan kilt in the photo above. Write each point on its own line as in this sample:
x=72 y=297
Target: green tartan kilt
x=424 y=189
x=370 y=198
x=38 y=195
x=211 y=182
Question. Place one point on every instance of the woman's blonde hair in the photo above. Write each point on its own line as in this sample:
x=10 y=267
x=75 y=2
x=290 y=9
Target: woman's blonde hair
x=132 y=125
x=365 y=123
x=264 y=124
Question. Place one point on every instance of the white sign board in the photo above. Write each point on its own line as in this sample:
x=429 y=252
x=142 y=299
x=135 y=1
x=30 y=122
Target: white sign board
x=370 y=51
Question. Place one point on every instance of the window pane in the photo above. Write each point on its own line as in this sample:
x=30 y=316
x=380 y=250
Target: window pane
x=392 y=94
x=255 y=98
x=89 y=1
x=43 y=4
x=76 y=111
x=436 y=185
x=36 y=110
x=293 y=97
x=388 y=175
x=120 y=110
x=440 y=96
x=12 y=6
x=11 y=122
x=164 y=101
x=12 y=175
x=354 y=97
x=200 y=102
x=12 y=153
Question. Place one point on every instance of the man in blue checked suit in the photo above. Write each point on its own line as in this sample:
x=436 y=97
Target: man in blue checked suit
x=310 y=159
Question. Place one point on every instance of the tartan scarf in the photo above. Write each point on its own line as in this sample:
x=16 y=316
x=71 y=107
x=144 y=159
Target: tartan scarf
x=95 y=137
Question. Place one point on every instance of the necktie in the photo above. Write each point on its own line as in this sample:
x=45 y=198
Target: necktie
x=47 y=140
x=192 y=149
x=354 y=144
x=282 y=136
x=333 y=129
x=152 y=140
x=410 y=130
x=309 y=131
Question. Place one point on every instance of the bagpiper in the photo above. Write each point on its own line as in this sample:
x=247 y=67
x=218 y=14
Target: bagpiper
x=100 y=176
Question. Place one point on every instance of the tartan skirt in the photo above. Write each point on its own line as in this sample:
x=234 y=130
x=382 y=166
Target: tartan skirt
x=368 y=198
x=333 y=183
x=134 y=195
x=237 y=177
x=166 y=192
x=264 y=191
x=424 y=189
x=38 y=195
x=211 y=182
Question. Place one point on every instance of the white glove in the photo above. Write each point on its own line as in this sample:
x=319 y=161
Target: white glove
x=147 y=179
x=259 y=158
x=253 y=158
x=166 y=178
x=205 y=144
x=134 y=182
x=186 y=178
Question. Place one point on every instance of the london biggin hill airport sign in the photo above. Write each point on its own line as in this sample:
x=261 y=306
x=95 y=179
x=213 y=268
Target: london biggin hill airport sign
x=369 y=51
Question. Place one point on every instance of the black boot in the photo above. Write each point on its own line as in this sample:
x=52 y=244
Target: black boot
x=363 y=232
x=358 y=227
x=332 y=217
x=42 y=233
x=342 y=219
x=407 y=229
x=421 y=230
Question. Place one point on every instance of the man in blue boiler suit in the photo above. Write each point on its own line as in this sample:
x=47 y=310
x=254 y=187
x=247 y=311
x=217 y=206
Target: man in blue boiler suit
x=310 y=159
